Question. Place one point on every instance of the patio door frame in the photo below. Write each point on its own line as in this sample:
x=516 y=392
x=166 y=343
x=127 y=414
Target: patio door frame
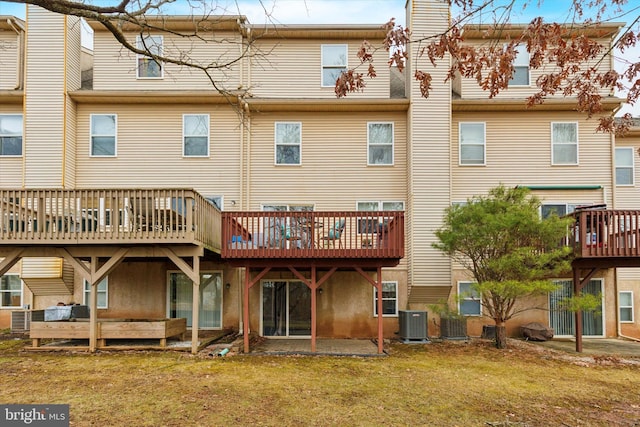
x=202 y=300
x=288 y=304
x=572 y=316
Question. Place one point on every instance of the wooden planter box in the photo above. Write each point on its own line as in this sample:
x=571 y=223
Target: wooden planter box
x=453 y=328
x=110 y=329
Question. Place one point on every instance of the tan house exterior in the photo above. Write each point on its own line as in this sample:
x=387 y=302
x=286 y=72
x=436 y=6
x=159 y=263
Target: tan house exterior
x=120 y=134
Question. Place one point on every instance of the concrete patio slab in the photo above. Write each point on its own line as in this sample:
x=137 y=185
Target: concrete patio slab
x=596 y=346
x=324 y=347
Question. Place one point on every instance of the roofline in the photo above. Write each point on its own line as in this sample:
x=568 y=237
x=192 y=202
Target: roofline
x=488 y=31
x=181 y=22
x=9 y=22
x=311 y=31
x=610 y=103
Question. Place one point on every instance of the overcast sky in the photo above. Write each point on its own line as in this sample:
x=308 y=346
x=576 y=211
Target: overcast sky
x=359 y=12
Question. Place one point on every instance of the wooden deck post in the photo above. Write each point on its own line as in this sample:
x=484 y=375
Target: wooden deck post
x=93 y=310
x=245 y=310
x=195 y=314
x=379 y=302
x=314 y=308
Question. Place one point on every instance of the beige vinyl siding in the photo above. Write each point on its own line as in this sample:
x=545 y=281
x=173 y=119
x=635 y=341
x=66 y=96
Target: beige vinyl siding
x=428 y=178
x=115 y=67
x=293 y=68
x=149 y=150
x=73 y=82
x=39 y=268
x=470 y=89
x=11 y=167
x=518 y=152
x=45 y=98
x=334 y=172
x=9 y=57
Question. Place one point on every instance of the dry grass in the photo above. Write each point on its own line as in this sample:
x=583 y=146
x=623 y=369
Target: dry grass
x=448 y=384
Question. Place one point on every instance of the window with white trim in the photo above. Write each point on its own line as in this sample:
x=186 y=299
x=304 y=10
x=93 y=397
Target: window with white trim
x=469 y=299
x=10 y=134
x=380 y=144
x=10 y=291
x=625 y=301
x=288 y=140
x=624 y=166
x=370 y=225
x=564 y=143
x=520 y=67
x=334 y=62
x=472 y=143
x=103 y=135
x=389 y=300
x=102 y=292
x=149 y=68
x=195 y=135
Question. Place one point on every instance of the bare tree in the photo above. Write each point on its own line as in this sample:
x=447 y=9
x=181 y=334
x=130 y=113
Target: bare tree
x=579 y=63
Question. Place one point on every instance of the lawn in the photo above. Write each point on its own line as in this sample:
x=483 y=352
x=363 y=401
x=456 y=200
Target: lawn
x=441 y=384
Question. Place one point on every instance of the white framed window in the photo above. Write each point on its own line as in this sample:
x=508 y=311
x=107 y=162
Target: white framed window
x=379 y=144
x=468 y=299
x=195 y=135
x=102 y=292
x=472 y=143
x=11 y=135
x=10 y=291
x=104 y=135
x=370 y=225
x=624 y=166
x=149 y=68
x=564 y=143
x=288 y=143
x=625 y=303
x=521 y=67
x=334 y=62
x=389 y=300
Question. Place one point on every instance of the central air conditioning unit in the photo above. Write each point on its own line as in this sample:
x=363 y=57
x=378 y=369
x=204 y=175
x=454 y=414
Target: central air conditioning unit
x=20 y=321
x=413 y=327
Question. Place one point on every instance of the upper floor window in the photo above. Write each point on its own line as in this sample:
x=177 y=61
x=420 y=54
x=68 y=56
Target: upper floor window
x=472 y=143
x=564 y=143
x=195 y=135
x=380 y=144
x=149 y=68
x=288 y=143
x=102 y=289
x=624 y=166
x=370 y=225
x=520 y=67
x=10 y=134
x=334 y=62
x=469 y=299
x=103 y=134
x=10 y=291
x=625 y=299
x=389 y=299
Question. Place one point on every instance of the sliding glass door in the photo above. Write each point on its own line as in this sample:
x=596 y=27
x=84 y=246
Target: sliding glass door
x=181 y=299
x=286 y=309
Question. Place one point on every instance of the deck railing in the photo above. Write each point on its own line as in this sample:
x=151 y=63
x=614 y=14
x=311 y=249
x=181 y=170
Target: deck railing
x=108 y=216
x=606 y=233
x=314 y=234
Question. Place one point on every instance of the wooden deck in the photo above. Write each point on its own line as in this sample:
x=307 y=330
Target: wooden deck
x=606 y=238
x=58 y=217
x=314 y=236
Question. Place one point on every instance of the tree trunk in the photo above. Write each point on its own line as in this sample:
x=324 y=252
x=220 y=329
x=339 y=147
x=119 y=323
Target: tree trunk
x=501 y=335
